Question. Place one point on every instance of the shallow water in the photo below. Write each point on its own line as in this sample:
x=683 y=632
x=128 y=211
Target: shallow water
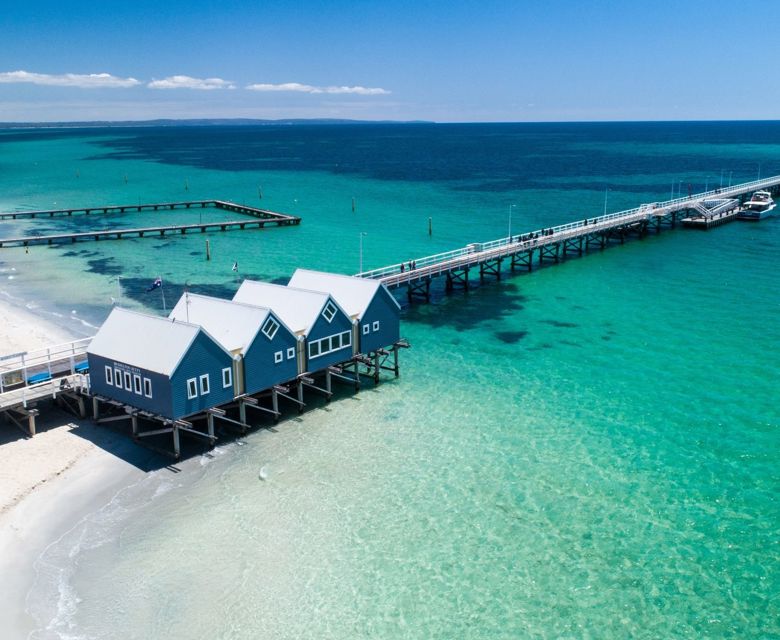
x=590 y=450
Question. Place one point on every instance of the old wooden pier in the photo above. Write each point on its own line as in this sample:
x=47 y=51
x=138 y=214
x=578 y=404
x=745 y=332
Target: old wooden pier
x=261 y=218
x=554 y=244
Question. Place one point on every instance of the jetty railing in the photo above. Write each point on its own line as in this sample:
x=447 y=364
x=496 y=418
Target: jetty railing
x=28 y=375
x=479 y=252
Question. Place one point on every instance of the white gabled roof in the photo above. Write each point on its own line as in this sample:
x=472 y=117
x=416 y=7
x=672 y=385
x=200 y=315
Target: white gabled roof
x=297 y=308
x=144 y=341
x=352 y=294
x=232 y=324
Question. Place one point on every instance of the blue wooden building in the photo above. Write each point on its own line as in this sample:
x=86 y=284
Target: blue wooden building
x=313 y=316
x=168 y=368
x=367 y=302
x=264 y=349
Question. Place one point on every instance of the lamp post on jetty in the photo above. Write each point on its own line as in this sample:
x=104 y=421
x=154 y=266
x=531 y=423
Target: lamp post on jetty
x=606 y=192
x=362 y=234
x=509 y=234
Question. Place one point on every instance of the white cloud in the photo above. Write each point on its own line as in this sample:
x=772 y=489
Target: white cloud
x=82 y=81
x=186 y=82
x=307 y=88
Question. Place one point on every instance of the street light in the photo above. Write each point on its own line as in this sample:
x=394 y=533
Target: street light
x=606 y=192
x=509 y=235
x=362 y=233
x=730 y=172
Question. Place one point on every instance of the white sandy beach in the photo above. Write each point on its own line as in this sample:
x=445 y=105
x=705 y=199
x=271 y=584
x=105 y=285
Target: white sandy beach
x=49 y=481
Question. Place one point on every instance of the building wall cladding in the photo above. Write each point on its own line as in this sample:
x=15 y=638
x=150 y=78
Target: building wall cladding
x=321 y=329
x=261 y=371
x=203 y=357
x=384 y=310
x=160 y=402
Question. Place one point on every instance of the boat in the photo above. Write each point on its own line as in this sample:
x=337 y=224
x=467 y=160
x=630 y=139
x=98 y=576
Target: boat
x=759 y=206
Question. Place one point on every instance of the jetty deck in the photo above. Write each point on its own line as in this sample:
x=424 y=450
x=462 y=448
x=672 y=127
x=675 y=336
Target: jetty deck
x=262 y=219
x=30 y=376
x=554 y=244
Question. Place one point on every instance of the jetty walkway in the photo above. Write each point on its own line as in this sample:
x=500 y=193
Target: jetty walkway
x=57 y=372
x=262 y=218
x=554 y=244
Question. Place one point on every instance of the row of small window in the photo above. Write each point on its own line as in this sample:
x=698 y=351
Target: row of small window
x=204 y=383
x=367 y=327
x=330 y=344
x=131 y=382
x=279 y=355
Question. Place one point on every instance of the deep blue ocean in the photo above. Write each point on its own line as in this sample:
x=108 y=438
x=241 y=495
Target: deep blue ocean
x=587 y=451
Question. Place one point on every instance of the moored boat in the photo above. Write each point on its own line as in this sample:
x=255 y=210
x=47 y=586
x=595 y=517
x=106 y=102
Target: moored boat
x=759 y=206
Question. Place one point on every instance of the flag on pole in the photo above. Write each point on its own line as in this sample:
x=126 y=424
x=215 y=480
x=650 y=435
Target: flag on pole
x=155 y=285
x=235 y=266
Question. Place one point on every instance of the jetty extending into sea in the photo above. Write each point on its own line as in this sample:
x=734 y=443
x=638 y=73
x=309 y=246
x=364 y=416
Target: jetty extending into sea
x=554 y=244
x=260 y=218
x=337 y=328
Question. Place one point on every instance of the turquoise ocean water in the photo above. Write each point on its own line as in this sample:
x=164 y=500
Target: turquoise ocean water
x=588 y=451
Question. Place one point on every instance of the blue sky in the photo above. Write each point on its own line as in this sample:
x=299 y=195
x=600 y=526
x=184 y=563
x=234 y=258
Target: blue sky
x=433 y=60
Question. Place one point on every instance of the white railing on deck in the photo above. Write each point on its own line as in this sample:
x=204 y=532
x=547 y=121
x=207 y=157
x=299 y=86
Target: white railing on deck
x=425 y=266
x=56 y=361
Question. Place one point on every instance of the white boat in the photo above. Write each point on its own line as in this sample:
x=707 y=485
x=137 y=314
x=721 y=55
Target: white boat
x=759 y=206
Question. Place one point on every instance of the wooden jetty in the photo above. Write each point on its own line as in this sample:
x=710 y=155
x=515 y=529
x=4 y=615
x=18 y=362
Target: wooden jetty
x=262 y=218
x=58 y=372
x=554 y=244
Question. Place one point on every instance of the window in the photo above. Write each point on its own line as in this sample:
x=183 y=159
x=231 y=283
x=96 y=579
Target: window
x=109 y=376
x=204 y=384
x=192 y=388
x=290 y=353
x=227 y=377
x=331 y=343
x=137 y=384
x=128 y=381
x=366 y=329
x=376 y=325
x=329 y=311
x=147 y=387
x=270 y=327
x=118 y=378
x=278 y=357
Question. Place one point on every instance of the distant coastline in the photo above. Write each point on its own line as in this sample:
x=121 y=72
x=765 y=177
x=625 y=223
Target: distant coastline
x=207 y=122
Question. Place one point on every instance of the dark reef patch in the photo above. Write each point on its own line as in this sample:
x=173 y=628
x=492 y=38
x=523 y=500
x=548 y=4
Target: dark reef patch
x=511 y=337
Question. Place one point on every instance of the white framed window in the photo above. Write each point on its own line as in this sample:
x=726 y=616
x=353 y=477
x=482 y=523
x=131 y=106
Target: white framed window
x=329 y=311
x=109 y=376
x=366 y=329
x=290 y=353
x=204 y=384
x=147 y=387
x=192 y=388
x=270 y=327
x=118 y=378
x=227 y=377
x=137 y=383
x=128 y=381
x=278 y=357
x=376 y=325
x=329 y=344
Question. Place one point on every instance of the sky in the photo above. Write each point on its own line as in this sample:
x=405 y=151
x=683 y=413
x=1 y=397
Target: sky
x=446 y=61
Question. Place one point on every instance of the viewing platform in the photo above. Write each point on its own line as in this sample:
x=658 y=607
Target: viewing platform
x=262 y=219
x=554 y=244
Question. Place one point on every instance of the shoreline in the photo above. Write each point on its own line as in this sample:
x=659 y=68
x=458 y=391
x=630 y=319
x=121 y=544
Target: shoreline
x=49 y=482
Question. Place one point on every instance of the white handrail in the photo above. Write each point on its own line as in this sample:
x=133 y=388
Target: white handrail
x=541 y=237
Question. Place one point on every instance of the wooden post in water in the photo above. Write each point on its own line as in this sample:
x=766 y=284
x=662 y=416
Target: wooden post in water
x=353 y=205
x=208 y=250
x=430 y=227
